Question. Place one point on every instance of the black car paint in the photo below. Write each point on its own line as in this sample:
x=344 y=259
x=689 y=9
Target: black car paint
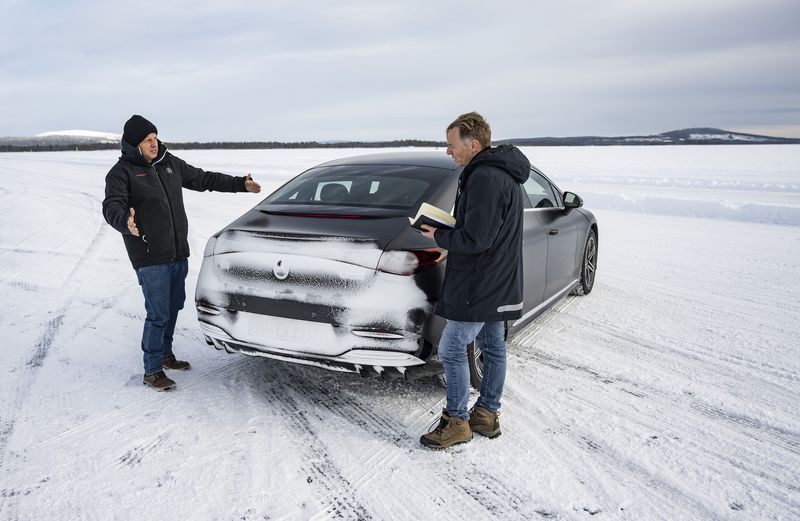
x=553 y=245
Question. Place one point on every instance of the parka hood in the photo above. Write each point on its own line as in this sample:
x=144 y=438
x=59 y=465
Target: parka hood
x=506 y=157
x=134 y=155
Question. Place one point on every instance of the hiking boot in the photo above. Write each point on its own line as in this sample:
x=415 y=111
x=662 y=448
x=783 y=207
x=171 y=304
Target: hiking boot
x=158 y=381
x=170 y=362
x=484 y=422
x=451 y=430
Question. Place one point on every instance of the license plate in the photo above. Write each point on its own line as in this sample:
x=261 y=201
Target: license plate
x=267 y=329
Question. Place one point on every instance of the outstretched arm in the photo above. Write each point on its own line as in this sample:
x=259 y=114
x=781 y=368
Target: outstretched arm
x=200 y=180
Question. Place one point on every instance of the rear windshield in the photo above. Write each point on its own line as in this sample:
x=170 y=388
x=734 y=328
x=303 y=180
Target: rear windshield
x=366 y=186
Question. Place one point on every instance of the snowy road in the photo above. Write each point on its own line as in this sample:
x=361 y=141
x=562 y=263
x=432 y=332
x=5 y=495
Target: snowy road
x=671 y=392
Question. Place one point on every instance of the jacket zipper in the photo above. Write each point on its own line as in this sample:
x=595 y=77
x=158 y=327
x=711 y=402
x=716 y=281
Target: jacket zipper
x=171 y=219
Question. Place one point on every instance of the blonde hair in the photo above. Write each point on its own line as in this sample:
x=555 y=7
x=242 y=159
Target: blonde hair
x=473 y=126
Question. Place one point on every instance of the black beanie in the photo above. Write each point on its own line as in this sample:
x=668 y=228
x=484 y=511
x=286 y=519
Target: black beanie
x=136 y=129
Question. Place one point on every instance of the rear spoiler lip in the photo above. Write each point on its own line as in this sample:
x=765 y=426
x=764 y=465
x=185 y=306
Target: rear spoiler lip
x=324 y=215
x=332 y=211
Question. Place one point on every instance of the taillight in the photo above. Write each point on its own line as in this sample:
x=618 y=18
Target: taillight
x=209 y=251
x=408 y=262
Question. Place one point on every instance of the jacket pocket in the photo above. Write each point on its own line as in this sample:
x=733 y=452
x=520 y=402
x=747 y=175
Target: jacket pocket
x=458 y=285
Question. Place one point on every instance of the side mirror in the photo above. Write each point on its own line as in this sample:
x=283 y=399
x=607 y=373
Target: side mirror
x=572 y=200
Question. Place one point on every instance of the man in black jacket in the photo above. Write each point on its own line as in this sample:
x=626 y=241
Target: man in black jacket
x=483 y=280
x=144 y=202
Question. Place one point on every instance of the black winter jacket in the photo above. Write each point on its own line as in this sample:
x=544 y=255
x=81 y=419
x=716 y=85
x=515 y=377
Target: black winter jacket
x=153 y=190
x=483 y=277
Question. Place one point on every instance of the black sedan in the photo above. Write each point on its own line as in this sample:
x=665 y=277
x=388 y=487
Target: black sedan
x=328 y=271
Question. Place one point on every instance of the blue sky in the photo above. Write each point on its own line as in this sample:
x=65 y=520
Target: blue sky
x=316 y=70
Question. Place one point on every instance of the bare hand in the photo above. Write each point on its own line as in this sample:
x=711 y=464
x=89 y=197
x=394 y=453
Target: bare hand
x=132 y=224
x=428 y=231
x=250 y=185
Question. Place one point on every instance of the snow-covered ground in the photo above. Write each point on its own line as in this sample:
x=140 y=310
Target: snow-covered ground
x=670 y=392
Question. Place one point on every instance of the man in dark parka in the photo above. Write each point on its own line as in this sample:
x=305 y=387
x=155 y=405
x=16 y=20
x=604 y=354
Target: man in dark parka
x=144 y=202
x=483 y=282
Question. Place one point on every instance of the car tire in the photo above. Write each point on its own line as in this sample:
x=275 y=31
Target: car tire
x=588 y=266
x=475 y=362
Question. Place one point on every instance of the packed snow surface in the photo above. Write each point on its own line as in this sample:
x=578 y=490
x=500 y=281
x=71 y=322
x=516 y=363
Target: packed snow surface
x=670 y=392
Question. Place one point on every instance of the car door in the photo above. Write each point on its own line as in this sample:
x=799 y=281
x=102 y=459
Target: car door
x=559 y=227
x=534 y=254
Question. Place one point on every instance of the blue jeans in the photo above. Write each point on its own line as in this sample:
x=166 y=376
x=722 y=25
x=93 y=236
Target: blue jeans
x=164 y=293
x=489 y=336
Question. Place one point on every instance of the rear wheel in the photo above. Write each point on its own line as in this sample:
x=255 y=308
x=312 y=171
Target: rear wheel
x=475 y=361
x=588 y=266
x=475 y=364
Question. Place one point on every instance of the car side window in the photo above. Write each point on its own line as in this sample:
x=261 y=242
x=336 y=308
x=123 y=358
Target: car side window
x=540 y=192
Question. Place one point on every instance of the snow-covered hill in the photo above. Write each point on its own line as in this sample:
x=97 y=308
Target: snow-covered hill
x=62 y=138
x=688 y=136
x=88 y=135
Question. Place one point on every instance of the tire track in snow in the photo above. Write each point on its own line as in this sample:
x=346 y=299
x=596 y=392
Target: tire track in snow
x=753 y=427
x=544 y=443
x=682 y=413
x=562 y=441
x=132 y=411
x=490 y=494
x=24 y=286
x=80 y=440
x=706 y=456
x=323 y=473
x=721 y=363
x=709 y=318
x=43 y=345
x=87 y=202
x=41 y=348
x=134 y=456
x=785 y=438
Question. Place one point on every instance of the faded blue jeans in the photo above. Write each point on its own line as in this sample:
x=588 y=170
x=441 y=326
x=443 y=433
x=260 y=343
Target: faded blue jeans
x=489 y=336
x=163 y=286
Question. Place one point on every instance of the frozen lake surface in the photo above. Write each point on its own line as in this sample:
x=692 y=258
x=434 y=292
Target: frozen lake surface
x=670 y=392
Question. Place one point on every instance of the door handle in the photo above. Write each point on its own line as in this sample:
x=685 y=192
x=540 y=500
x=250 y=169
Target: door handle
x=552 y=232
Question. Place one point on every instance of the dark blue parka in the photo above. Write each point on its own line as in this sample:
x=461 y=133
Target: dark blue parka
x=483 y=279
x=154 y=191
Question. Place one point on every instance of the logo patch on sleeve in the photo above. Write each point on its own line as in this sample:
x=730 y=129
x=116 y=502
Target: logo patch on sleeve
x=142 y=174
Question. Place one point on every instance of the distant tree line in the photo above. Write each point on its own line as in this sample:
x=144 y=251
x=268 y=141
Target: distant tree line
x=228 y=145
x=663 y=139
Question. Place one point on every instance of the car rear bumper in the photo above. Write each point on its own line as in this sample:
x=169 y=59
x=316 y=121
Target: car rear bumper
x=335 y=347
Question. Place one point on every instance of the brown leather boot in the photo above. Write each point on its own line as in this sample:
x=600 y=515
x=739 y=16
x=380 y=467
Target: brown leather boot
x=484 y=422
x=158 y=381
x=170 y=362
x=451 y=430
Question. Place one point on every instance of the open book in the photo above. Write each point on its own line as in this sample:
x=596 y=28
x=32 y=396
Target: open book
x=432 y=216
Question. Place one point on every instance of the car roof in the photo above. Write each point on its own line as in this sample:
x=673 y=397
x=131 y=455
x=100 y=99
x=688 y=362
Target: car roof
x=410 y=158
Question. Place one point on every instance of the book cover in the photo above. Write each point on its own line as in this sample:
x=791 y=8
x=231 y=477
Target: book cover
x=432 y=216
